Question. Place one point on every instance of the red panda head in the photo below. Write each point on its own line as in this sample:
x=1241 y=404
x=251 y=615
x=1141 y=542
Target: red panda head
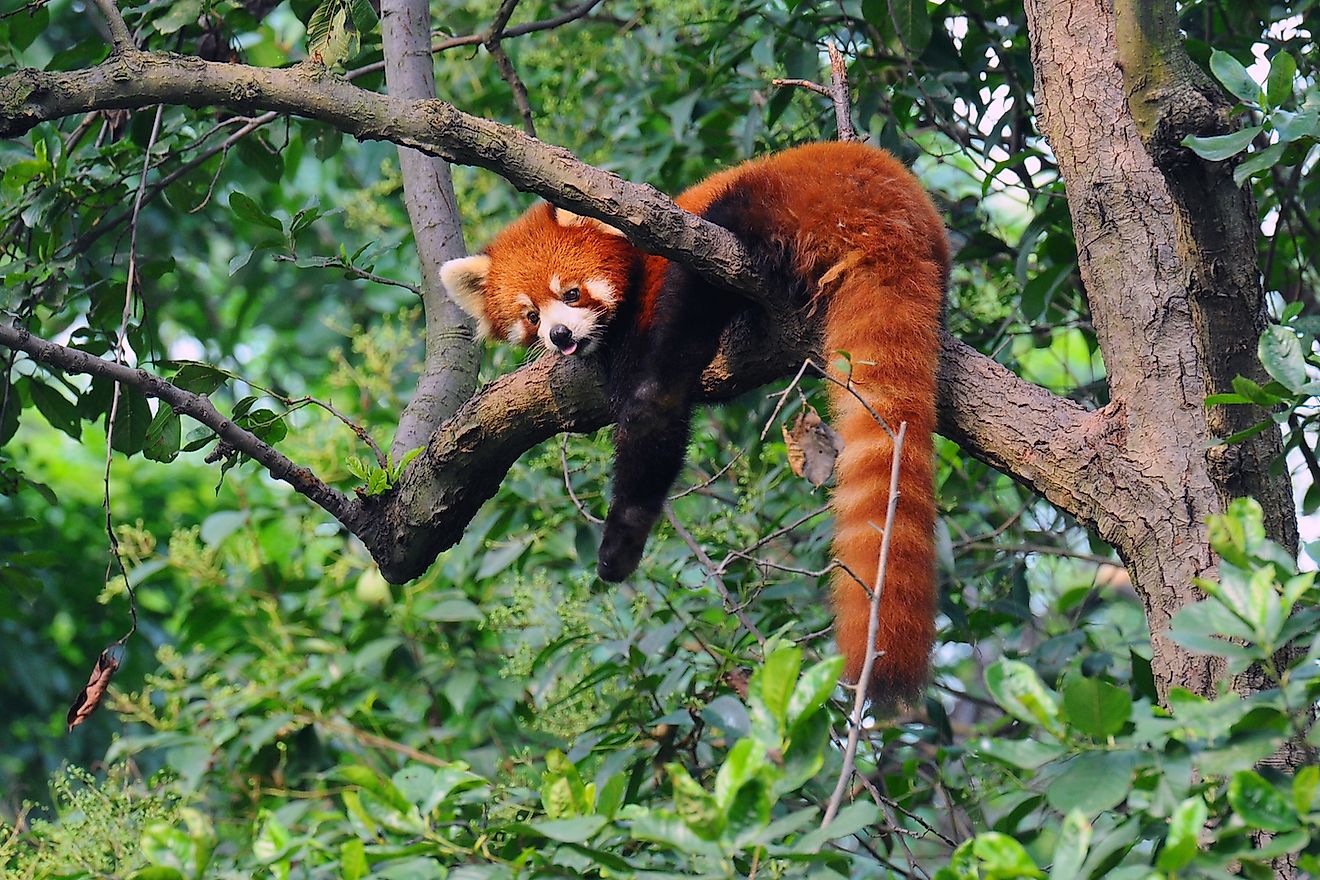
x=550 y=276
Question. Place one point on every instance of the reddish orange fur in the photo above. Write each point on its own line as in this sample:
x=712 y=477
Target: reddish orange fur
x=866 y=238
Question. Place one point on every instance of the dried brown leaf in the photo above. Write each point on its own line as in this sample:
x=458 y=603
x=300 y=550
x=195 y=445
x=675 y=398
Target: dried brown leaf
x=812 y=447
x=92 y=693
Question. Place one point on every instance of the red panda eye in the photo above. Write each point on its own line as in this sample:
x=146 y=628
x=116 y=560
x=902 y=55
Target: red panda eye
x=533 y=318
x=572 y=295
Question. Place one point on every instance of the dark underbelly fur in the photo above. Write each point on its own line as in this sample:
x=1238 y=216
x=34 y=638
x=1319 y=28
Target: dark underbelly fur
x=653 y=378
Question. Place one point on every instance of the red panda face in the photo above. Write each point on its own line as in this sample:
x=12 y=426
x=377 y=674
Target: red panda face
x=550 y=278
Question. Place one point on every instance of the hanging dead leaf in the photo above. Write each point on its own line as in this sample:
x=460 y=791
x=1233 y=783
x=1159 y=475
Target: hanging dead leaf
x=812 y=447
x=90 y=696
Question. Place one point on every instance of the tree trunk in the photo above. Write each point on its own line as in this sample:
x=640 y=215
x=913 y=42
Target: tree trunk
x=449 y=371
x=1166 y=248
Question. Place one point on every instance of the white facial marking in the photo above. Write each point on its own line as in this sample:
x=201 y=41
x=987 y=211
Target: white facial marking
x=525 y=301
x=556 y=287
x=581 y=322
x=601 y=291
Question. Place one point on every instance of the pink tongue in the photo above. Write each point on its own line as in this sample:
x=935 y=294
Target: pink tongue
x=572 y=348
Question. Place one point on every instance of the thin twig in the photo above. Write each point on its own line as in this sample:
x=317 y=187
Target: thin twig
x=568 y=483
x=1043 y=549
x=872 y=630
x=116 y=558
x=713 y=573
x=491 y=40
x=338 y=263
x=477 y=39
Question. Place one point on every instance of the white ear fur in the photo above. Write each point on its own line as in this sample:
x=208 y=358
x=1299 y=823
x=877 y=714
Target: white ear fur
x=565 y=217
x=465 y=281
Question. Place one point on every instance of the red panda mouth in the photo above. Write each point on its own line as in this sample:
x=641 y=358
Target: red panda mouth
x=569 y=349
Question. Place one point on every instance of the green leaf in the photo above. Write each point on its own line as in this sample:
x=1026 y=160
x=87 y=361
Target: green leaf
x=911 y=20
x=181 y=14
x=1279 y=82
x=247 y=209
x=771 y=686
x=1019 y=692
x=694 y=805
x=353 y=860
x=1304 y=787
x=849 y=820
x=813 y=689
x=1260 y=804
x=1070 y=850
x=197 y=377
x=1259 y=161
x=1095 y=707
x=1025 y=753
x=744 y=760
x=131 y=421
x=579 y=829
x=1234 y=76
x=1000 y=857
x=1291 y=126
x=164 y=435
x=1182 y=842
x=1092 y=782
x=57 y=409
x=1221 y=146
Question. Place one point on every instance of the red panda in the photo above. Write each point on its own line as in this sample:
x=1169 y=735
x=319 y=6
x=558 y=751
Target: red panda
x=842 y=224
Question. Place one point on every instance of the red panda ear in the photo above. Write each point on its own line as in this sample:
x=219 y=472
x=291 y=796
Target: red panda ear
x=565 y=217
x=465 y=281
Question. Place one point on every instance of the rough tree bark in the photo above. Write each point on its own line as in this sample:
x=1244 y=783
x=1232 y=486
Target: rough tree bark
x=1169 y=265
x=449 y=370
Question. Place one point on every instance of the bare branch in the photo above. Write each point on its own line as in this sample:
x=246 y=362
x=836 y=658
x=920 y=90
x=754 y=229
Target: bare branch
x=713 y=572
x=120 y=36
x=872 y=630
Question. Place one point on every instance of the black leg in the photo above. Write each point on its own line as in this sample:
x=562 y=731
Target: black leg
x=654 y=414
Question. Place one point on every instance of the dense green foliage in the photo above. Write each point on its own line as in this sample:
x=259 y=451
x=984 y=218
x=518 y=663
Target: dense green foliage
x=283 y=711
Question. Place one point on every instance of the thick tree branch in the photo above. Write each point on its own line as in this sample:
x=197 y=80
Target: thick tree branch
x=198 y=406
x=1046 y=441
x=648 y=217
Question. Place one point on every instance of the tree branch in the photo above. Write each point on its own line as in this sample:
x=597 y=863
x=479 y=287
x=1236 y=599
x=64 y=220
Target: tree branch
x=198 y=406
x=1046 y=441
x=120 y=36
x=649 y=218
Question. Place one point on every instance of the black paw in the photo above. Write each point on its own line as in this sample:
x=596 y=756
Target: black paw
x=621 y=547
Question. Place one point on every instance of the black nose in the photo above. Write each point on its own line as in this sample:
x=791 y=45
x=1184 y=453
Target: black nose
x=561 y=335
